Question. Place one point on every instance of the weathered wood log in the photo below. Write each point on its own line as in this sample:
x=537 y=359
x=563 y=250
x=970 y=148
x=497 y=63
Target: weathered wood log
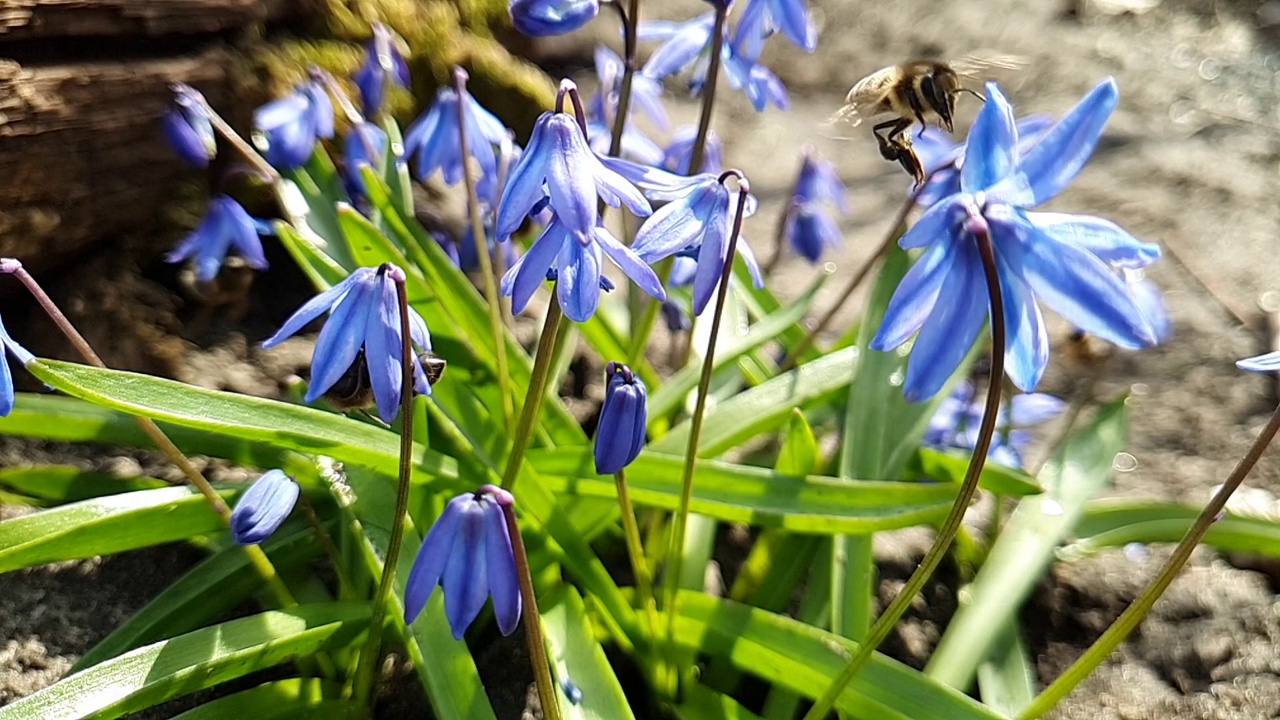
x=37 y=19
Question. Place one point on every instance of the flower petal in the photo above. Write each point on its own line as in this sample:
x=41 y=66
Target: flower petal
x=263 y=508
x=630 y=263
x=950 y=331
x=524 y=186
x=1026 y=342
x=384 y=347
x=940 y=222
x=680 y=50
x=915 y=297
x=1034 y=408
x=340 y=339
x=314 y=308
x=674 y=226
x=992 y=148
x=433 y=556
x=466 y=576
x=1099 y=236
x=570 y=182
x=792 y=18
x=504 y=583
x=1269 y=362
x=711 y=260
x=531 y=269
x=578 y=283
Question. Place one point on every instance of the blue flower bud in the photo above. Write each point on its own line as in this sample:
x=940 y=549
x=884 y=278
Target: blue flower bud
x=187 y=127
x=542 y=18
x=263 y=507
x=620 y=434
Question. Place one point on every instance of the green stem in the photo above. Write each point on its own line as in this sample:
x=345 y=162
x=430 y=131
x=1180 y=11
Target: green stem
x=889 y=618
x=549 y=701
x=482 y=253
x=635 y=548
x=537 y=390
x=675 y=550
x=709 y=90
x=364 y=677
x=1134 y=614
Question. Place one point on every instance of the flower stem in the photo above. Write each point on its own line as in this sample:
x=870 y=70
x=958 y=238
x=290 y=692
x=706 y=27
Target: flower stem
x=364 y=677
x=1134 y=614
x=537 y=390
x=240 y=145
x=709 y=90
x=482 y=253
x=257 y=558
x=630 y=18
x=675 y=550
x=635 y=547
x=532 y=621
x=855 y=280
x=889 y=618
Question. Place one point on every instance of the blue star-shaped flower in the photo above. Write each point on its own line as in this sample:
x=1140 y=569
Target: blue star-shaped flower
x=289 y=127
x=956 y=422
x=364 y=314
x=383 y=63
x=764 y=17
x=1064 y=260
x=689 y=45
x=226 y=227
x=433 y=139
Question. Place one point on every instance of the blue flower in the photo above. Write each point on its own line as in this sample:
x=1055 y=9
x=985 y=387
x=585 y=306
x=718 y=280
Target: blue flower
x=468 y=554
x=808 y=226
x=226 y=227
x=764 y=17
x=289 y=127
x=364 y=314
x=433 y=139
x=6 y=378
x=383 y=63
x=1064 y=260
x=187 y=127
x=543 y=18
x=263 y=507
x=620 y=434
x=366 y=144
x=941 y=157
x=646 y=92
x=956 y=422
x=689 y=45
x=679 y=152
x=697 y=223
x=1269 y=362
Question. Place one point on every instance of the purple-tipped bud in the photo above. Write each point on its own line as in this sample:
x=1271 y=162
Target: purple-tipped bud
x=543 y=18
x=263 y=507
x=620 y=434
x=468 y=554
x=187 y=127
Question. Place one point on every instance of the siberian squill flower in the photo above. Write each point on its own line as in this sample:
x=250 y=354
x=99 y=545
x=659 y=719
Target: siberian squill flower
x=226 y=227
x=1270 y=362
x=764 y=17
x=620 y=433
x=1064 y=260
x=20 y=354
x=263 y=507
x=559 y=166
x=187 y=127
x=287 y=129
x=956 y=422
x=809 y=226
x=434 y=143
x=941 y=157
x=366 y=144
x=543 y=18
x=364 y=315
x=689 y=45
x=679 y=153
x=468 y=554
x=383 y=63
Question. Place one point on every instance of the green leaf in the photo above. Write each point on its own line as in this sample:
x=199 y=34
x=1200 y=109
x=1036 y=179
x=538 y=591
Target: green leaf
x=57 y=484
x=105 y=526
x=201 y=659
x=702 y=703
x=951 y=466
x=799 y=455
x=1026 y=545
x=300 y=698
x=577 y=656
x=805 y=660
x=1116 y=522
x=320 y=269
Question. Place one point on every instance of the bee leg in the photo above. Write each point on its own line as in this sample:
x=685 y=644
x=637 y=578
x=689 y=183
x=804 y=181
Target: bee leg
x=895 y=128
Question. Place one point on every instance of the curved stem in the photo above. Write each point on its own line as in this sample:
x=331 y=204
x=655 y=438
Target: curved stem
x=1134 y=614
x=481 y=241
x=675 y=550
x=630 y=19
x=537 y=390
x=889 y=618
x=532 y=621
x=364 y=677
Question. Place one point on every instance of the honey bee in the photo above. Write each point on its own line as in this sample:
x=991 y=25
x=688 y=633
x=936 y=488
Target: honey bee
x=920 y=91
x=353 y=391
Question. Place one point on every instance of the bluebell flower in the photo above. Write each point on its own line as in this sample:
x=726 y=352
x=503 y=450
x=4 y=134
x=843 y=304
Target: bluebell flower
x=383 y=63
x=263 y=508
x=187 y=127
x=6 y=378
x=956 y=422
x=808 y=225
x=468 y=553
x=433 y=139
x=544 y=18
x=1064 y=260
x=697 y=223
x=679 y=152
x=689 y=45
x=941 y=157
x=764 y=17
x=364 y=315
x=366 y=144
x=623 y=418
x=1270 y=362
x=225 y=227
x=290 y=126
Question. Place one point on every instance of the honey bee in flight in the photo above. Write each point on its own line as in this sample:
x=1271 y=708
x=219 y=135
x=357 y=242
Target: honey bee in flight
x=920 y=91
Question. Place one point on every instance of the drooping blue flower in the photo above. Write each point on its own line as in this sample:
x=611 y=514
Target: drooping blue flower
x=433 y=139
x=364 y=314
x=287 y=129
x=697 y=223
x=6 y=378
x=544 y=18
x=365 y=145
x=468 y=553
x=623 y=418
x=956 y=422
x=383 y=63
x=226 y=227
x=762 y=18
x=1269 y=362
x=679 y=153
x=263 y=508
x=689 y=45
x=187 y=127
x=808 y=225
x=1064 y=260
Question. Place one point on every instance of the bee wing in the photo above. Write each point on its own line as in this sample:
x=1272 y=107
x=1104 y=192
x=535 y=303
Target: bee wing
x=983 y=62
x=863 y=98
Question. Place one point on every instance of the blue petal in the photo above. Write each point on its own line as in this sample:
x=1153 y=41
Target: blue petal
x=190 y=136
x=915 y=297
x=675 y=226
x=570 y=182
x=711 y=260
x=950 y=331
x=466 y=576
x=314 y=308
x=543 y=18
x=754 y=27
x=524 y=186
x=1034 y=408
x=792 y=19
x=940 y=222
x=384 y=347
x=992 y=148
x=1058 y=157
x=530 y=271
x=504 y=583
x=615 y=190
x=1026 y=342
x=341 y=339
x=630 y=263
x=1099 y=236
x=620 y=432
x=263 y=507
x=416 y=135
x=244 y=236
x=1150 y=302
x=579 y=280
x=433 y=556
x=1269 y=362
x=681 y=49
x=743 y=251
